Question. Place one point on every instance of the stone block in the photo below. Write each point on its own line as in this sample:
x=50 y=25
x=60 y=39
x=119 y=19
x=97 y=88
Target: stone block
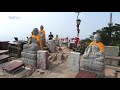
x=74 y=61
x=114 y=63
x=112 y=60
x=29 y=55
x=107 y=62
x=29 y=61
x=92 y=65
x=42 y=59
x=52 y=46
x=111 y=51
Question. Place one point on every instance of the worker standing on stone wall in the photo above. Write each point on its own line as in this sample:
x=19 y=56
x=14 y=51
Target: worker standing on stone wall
x=43 y=35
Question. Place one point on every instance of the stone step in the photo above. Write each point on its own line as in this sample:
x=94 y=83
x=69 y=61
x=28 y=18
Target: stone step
x=14 y=66
x=3 y=51
x=4 y=57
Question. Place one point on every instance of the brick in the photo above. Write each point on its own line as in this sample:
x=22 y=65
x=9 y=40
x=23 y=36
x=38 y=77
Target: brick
x=111 y=51
x=74 y=61
x=42 y=59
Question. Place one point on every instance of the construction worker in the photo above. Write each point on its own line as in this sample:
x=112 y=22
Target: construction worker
x=43 y=35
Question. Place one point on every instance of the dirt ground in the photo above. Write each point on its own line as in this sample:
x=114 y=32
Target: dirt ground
x=55 y=70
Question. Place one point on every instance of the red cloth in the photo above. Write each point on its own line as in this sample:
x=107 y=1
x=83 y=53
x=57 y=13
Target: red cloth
x=76 y=40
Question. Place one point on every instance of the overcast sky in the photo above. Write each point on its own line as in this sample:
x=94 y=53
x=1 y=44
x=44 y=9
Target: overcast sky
x=20 y=24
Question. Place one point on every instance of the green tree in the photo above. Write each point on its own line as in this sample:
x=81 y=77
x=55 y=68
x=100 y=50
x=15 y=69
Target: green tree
x=109 y=35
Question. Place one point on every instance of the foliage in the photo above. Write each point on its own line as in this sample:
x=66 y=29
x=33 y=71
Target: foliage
x=83 y=45
x=110 y=36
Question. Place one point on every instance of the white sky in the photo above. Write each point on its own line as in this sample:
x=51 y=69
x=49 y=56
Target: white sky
x=61 y=23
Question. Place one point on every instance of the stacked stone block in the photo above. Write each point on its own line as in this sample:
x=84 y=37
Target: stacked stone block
x=42 y=59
